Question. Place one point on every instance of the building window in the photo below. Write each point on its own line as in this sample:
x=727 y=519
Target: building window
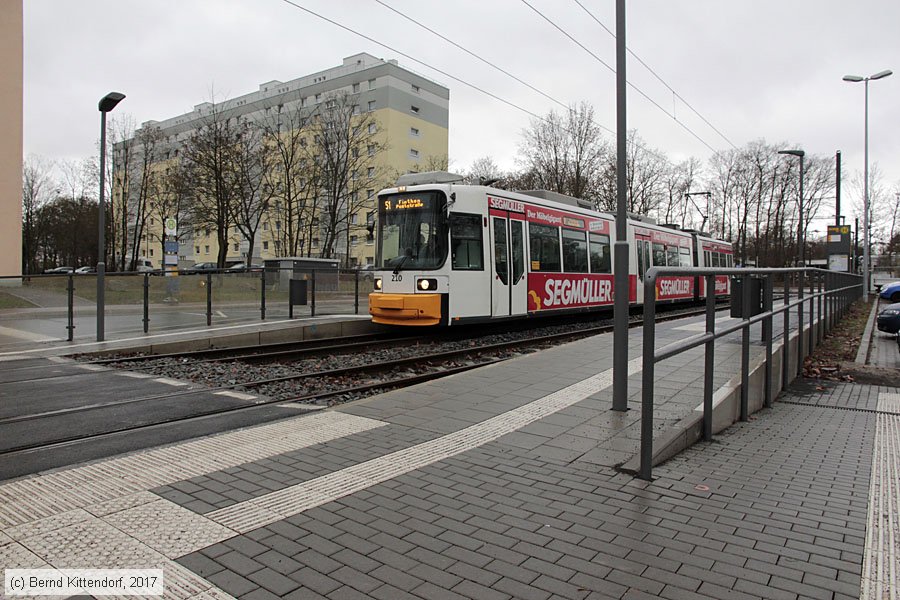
x=371 y=84
x=370 y=193
x=413 y=132
x=413 y=153
x=371 y=105
x=353 y=240
x=415 y=88
x=318 y=97
x=370 y=172
x=266 y=226
x=414 y=109
x=151 y=251
x=207 y=249
x=277 y=225
x=265 y=245
x=373 y=128
x=371 y=149
x=355 y=88
x=196 y=249
x=315 y=243
x=237 y=247
x=353 y=219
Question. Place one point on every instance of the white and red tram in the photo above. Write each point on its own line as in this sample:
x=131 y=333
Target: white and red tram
x=449 y=254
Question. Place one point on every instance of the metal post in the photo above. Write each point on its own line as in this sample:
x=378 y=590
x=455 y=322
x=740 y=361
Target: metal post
x=800 y=283
x=101 y=236
x=313 y=285
x=820 y=321
x=70 y=289
x=837 y=188
x=768 y=295
x=866 y=204
x=620 y=284
x=786 y=334
x=262 y=299
x=356 y=293
x=208 y=299
x=648 y=374
x=745 y=349
x=146 y=302
x=709 y=364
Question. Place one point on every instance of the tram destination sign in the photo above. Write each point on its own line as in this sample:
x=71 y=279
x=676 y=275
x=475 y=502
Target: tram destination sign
x=415 y=202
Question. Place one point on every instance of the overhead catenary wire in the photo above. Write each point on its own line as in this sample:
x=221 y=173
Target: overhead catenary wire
x=612 y=69
x=458 y=79
x=655 y=74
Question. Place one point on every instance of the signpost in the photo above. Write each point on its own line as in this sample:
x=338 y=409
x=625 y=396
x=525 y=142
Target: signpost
x=170 y=257
x=838 y=246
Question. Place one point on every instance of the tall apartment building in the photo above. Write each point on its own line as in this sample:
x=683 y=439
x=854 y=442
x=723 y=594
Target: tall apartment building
x=411 y=113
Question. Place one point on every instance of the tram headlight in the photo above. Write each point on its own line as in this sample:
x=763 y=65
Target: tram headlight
x=378 y=283
x=427 y=284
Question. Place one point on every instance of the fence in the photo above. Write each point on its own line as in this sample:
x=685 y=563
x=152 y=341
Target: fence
x=135 y=300
x=830 y=294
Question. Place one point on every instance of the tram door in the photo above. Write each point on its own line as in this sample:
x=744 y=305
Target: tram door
x=509 y=284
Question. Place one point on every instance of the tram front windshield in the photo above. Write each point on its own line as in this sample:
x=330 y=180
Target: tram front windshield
x=412 y=231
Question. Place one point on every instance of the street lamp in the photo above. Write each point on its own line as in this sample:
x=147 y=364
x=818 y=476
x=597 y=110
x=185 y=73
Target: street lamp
x=107 y=103
x=857 y=79
x=801 y=154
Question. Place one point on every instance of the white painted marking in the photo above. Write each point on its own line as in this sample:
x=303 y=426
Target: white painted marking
x=167 y=381
x=93 y=367
x=13 y=358
x=261 y=511
x=59 y=359
x=881 y=557
x=26 y=335
x=27 y=500
x=889 y=402
x=134 y=375
x=221 y=314
x=701 y=326
x=307 y=407
x=237 y=395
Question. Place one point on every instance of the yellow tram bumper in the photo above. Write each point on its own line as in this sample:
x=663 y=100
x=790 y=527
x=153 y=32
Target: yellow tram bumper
x=405 y=309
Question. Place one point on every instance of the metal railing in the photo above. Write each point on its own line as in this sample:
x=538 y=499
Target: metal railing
x=332 y=292
x=830 y=294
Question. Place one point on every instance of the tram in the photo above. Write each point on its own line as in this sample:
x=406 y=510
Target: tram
x=449 y=253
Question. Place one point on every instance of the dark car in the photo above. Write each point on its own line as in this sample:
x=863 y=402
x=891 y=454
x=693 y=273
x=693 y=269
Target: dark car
x=200 y=268
x=889 y=318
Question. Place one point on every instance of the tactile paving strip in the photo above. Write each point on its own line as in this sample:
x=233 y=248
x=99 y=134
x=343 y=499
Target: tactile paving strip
x=117 y=478
x=249 y=515
x=881 y=563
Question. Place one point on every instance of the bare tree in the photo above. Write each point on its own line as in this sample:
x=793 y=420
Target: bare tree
x=483 y=169
x=347 y=142
x=209 y=161
x=141 y=184
x=36 y=184
x=253 y=160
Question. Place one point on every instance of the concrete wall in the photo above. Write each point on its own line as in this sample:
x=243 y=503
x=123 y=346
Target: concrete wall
x=10 y=137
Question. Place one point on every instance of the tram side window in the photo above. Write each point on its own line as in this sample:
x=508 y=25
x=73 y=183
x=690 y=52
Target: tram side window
x=715 y=259
x=465 y=241
x=707 y=258
x=544 y=245
x=672 y=256
x=684 y=256
x=730 y=260
x=643 y=248
x=575 y=257
x=600 y=254
x=659 y=255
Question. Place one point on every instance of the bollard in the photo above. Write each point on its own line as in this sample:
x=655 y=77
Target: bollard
x=147 y=302
x=208 y=299
x=710 y=364
x=768 y=293
x=745 y=348
x=70 y=290
x=356 y=293
x=312 y=306
x=647 y=375
x=785 y=334
x=800 y=283
x=262 y=299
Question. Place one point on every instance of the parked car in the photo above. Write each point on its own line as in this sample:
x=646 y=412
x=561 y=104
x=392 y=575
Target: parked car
x=201 y=268
x=891 y=291
x=60 y=270
x=889 y=318
x=85 y=270
x=237 y=267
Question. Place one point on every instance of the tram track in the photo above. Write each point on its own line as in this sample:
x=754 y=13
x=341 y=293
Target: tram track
x=328 y=386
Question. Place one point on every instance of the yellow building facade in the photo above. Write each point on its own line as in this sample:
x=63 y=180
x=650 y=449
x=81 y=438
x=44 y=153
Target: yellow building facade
x=411 y=114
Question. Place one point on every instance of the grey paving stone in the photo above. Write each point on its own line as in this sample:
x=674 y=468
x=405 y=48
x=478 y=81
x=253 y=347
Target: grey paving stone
x=273 y=581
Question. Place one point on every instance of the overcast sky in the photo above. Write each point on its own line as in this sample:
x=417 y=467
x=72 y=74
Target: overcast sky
x=755 y=69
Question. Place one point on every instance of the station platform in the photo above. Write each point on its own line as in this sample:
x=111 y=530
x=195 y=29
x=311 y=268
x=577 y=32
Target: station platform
x=498 y=483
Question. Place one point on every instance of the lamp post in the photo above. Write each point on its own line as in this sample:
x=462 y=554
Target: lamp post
x=857 y=79
x=107 y=103
x=801 y=154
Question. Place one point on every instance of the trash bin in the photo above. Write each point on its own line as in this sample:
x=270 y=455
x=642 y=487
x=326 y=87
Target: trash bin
x=755 y=307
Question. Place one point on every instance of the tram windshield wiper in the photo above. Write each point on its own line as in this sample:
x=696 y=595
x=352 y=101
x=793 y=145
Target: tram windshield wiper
x=402 y=260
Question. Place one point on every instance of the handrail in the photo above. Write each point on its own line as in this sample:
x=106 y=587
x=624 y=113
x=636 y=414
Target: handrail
x=836 y=292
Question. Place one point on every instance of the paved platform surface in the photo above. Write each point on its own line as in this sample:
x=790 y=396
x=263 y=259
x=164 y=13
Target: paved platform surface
x=496 y=483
